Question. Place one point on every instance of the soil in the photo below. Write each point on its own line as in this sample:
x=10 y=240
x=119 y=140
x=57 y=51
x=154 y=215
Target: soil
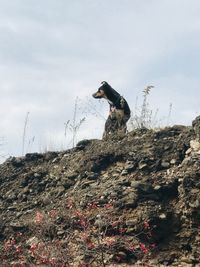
x=136 y=199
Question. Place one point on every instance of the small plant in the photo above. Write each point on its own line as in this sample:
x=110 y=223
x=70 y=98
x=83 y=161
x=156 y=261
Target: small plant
x=169 y=114
x=94 y=109
x=30 y=143
x=24 y=132
x=75 y=236
x=145 y=113
x=74 y=125
x=2 y=153
x=143 y=117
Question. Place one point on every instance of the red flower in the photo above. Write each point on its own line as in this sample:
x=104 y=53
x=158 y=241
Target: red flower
x=92 y=205
x=53 y=213
x=33 y=248
x=70 y=203
x=9 y=244
x=144 y=248
x=146 y=225
x=116 y=223
x=18 y=249
x=19 y=234
x=108 y=206
x=131 y=247
x=53 y=261
x=122 y=230
x=39 y=217
x=153 y=246
x=90 y=245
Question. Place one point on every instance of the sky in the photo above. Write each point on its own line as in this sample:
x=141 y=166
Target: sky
x=55 y=53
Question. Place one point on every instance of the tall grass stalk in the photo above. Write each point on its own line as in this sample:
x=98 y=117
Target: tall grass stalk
x=169 y=114
x=75 y=125
x=143 y=117
x=24 y=132
x=145 y=114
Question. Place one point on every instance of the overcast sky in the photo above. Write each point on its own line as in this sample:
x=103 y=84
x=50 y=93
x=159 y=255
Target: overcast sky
x=52 y=51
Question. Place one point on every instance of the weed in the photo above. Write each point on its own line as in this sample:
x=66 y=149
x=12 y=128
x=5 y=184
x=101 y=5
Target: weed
x=24 y=132
x=143 y=117
x=74 y=125
x=72 y=236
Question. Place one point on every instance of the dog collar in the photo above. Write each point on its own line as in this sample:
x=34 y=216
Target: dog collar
x=120 y=100
x=111 y=103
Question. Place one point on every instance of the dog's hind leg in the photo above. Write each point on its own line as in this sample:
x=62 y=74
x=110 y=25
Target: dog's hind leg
x=122 y=124
x=111 y=126
x=107 y=128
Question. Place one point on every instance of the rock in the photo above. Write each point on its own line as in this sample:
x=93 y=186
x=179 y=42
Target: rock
x=50 y=155
x=56 y=160
x=25 y=191
x=173 y=161
x=86 y=184
x=120 y=256
x=195 y=146
x=33 y=156
x=142 y=165
x=145 y=188
x=102 y=200
x=196 y=127
x=72 y=175
x=11 y=208
x=67 y=183
x=135 y=184
x=60 y=191
x=124 y=182
x=16 y=226
x=113 y=194
x=129 y=201
x=115 y=175
x=131 y=223
x=83 y=143
x=130 y=167
x=195 y=204
x=157 y=187
x=10 y=196
x=124 y=172
x=19 y=214
x=46 y=200
x=100 y=222
x=17 y=162
x=32 y=241
x=162 y=216
x=61 y=233
x=37 y=175
x=92 y=176
x=165 y=164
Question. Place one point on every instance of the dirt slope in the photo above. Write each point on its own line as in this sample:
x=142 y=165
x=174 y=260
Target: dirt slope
x=132 y=201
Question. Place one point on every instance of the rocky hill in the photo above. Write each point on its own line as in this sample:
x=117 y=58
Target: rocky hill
x=131 y=201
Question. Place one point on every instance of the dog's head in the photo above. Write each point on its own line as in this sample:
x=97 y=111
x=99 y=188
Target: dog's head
x=101 y=92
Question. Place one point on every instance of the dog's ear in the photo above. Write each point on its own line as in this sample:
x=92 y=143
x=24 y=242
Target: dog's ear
x=104 y=83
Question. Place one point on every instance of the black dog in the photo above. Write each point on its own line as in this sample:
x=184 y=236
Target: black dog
x=119 y=110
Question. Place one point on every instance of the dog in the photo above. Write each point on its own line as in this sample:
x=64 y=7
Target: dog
x=119 y=112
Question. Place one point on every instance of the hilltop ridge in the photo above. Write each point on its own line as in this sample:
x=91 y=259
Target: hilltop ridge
x=127 y=201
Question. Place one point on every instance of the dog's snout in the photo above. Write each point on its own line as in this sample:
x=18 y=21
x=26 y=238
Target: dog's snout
x=98 y=94
x=94 y=95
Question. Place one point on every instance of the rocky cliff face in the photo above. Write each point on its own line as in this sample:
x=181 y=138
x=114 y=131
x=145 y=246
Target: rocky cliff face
x=132 y=201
